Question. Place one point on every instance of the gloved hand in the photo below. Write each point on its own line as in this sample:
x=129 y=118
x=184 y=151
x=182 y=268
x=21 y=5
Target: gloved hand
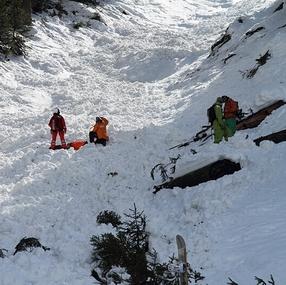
x=65 y=130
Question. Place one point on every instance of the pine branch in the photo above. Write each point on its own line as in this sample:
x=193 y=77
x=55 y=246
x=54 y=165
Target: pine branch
x=260 y=281
x=271 y=281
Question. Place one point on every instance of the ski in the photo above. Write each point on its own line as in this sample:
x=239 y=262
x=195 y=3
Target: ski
x=182 y=257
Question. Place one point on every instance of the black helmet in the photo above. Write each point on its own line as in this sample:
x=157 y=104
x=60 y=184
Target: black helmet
x=98 y=119
x=57 y=111
x=224 y=98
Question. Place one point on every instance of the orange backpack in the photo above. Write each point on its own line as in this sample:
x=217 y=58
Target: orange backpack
x=230 y=109
x=77 y=144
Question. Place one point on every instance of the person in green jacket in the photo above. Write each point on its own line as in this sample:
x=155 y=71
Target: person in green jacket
x=219 y=127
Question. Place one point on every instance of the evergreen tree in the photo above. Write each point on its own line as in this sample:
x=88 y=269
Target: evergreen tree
x=108 y=250
x=13 y=24
x=5 y=26
x=109 y=217
x=127 y=249
x=39 y=6
x=27 y=8
x=134 y=231
x=134 y=228
x=18 y=16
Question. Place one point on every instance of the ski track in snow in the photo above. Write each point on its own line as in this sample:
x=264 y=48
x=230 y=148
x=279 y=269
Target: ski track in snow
x=147 y=72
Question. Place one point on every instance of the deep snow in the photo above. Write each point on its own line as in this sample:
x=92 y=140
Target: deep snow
x=149 y=74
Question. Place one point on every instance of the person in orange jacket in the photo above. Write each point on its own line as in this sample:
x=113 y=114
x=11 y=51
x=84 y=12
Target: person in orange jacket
x=99 y=132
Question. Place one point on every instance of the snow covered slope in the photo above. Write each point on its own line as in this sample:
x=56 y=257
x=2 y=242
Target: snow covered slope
x=150 y=74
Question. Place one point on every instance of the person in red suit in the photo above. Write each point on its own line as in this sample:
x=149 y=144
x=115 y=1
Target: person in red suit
x=58 y=126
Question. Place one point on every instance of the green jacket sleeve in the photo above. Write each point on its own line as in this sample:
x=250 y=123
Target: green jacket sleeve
x=218 y=114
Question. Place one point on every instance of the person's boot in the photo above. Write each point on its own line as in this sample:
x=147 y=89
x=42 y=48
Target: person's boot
x=64 y=145
x=53 y=145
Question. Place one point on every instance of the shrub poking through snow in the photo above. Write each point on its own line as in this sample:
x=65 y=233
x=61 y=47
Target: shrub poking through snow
x=112 y=174
x=168 y=273
x=93 y=2
x=240 y=20
x=226 y=37
x=263 y=59
x=262 y=282
x=260 y=61
x=79 y=25
x=280 y=7
x=125 y=256
x=2 y=255
x=162 y=273
x=96 y=16
x=257 y=279
x=109 y=217
x=228 y=57
x=252 y=32
x=28 y=244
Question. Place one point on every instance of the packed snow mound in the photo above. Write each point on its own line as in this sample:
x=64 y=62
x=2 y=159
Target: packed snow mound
x=149 y=72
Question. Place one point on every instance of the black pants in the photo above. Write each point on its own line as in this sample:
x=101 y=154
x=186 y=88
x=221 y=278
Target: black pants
x=93 y=136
